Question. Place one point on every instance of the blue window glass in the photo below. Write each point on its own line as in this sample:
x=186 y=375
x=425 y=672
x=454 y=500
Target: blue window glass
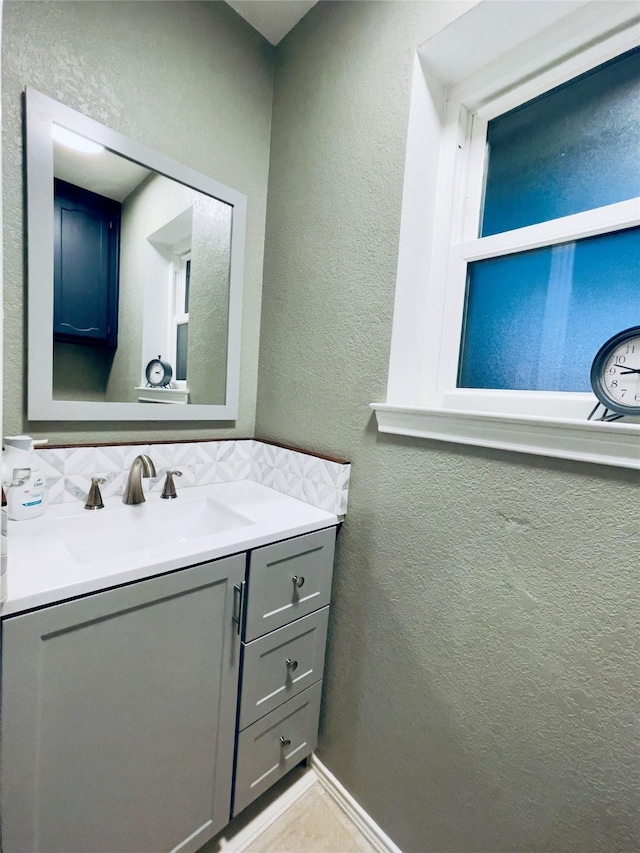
x=574 y=148
x=535 y=320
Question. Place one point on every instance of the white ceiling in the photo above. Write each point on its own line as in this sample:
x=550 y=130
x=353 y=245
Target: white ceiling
x=272 y=18
x=107 y=173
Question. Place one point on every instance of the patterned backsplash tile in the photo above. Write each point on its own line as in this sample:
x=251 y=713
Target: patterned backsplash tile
x=309 y=478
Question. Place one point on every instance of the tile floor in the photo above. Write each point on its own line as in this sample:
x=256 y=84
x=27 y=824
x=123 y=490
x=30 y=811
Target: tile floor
x=313 y=823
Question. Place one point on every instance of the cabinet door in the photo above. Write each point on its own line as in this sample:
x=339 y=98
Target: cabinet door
x=288 y=580
x=86 y=248
x=118 y=717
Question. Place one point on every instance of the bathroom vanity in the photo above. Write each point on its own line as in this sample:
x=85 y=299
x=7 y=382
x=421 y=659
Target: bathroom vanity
x=146 y=704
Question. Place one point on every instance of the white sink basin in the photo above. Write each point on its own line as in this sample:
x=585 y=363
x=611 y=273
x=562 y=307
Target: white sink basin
x=69 y=552
x=96 y=535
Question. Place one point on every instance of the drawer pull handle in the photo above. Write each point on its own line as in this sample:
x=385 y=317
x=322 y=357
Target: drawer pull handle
x=292 y=665
x=284 y=741
x=298 y=581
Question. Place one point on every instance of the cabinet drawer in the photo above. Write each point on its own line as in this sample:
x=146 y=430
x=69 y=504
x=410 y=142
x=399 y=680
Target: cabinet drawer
x=282 y=664
x=288 y=580
x=271 y=747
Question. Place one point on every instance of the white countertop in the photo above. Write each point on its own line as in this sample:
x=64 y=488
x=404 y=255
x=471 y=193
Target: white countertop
x=42 y=569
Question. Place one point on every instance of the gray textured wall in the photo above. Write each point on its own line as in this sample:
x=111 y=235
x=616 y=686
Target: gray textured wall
x=482 y=687
x=189 y=79
x=209 y=300
x=80 y=373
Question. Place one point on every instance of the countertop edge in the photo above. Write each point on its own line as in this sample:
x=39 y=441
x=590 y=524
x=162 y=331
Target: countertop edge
x=263 y=532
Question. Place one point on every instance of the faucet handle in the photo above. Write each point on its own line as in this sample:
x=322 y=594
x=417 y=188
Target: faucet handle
x=94 y=498
x=169 y=490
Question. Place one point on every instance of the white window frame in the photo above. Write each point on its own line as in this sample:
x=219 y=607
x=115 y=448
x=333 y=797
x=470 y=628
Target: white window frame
x=178 y=317
x=422 y=397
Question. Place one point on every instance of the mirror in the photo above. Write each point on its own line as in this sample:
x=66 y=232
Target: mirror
x=132 y=257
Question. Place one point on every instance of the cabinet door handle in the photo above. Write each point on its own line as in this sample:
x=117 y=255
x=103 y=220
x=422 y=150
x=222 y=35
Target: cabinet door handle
x=238 y=604
x=298 y=581
x=292 y=665
x=284 y=741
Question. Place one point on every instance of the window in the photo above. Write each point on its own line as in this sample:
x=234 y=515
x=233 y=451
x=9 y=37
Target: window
x=167 y=294
x=533 y=257
x=180 y=316
x=557 y=168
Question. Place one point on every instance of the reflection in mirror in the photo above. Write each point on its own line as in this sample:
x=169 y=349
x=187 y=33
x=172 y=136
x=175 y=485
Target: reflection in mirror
x=164 y=245
x=135 y=263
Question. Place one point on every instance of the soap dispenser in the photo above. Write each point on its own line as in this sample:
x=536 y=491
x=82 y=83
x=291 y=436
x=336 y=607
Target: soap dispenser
x=24 y=485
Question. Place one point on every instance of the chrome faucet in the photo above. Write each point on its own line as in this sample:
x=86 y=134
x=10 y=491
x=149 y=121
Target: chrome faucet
x=94 y=498
x=169 y=490
x=142 y=466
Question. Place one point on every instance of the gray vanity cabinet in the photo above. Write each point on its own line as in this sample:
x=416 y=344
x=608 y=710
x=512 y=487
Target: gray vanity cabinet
x=289 y=587
x=119 y=716
x=120 y=709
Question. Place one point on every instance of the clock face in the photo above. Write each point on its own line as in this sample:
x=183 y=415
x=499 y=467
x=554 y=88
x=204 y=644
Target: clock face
x=615 y=375
x=158 y=372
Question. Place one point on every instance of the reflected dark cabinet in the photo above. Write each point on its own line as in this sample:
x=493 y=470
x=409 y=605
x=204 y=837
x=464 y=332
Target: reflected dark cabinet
x=86 y=257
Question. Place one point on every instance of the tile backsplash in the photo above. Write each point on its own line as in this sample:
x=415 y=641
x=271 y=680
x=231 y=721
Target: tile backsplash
x=320 y=482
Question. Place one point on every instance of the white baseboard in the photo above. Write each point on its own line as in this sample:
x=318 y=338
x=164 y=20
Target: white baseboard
x=378 y=839
x=238 y=836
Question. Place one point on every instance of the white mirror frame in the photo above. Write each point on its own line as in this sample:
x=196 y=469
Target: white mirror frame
x=41 y=113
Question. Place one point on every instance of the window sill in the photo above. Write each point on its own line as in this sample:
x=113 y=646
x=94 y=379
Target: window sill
x=615 y=444
x=174 y=396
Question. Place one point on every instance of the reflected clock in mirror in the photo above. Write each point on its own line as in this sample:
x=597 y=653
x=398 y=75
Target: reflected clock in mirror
x=130 y=254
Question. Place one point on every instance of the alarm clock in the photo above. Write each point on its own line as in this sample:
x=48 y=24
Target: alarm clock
x=615 y=373
x=158 y=373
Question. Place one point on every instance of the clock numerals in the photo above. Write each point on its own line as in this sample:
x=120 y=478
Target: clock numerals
x=615 y=373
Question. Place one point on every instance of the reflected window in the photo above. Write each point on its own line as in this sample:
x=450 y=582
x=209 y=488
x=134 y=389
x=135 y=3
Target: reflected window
x=180 y=318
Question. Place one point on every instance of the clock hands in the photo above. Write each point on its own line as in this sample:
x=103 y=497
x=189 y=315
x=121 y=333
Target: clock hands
x=615 y=376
